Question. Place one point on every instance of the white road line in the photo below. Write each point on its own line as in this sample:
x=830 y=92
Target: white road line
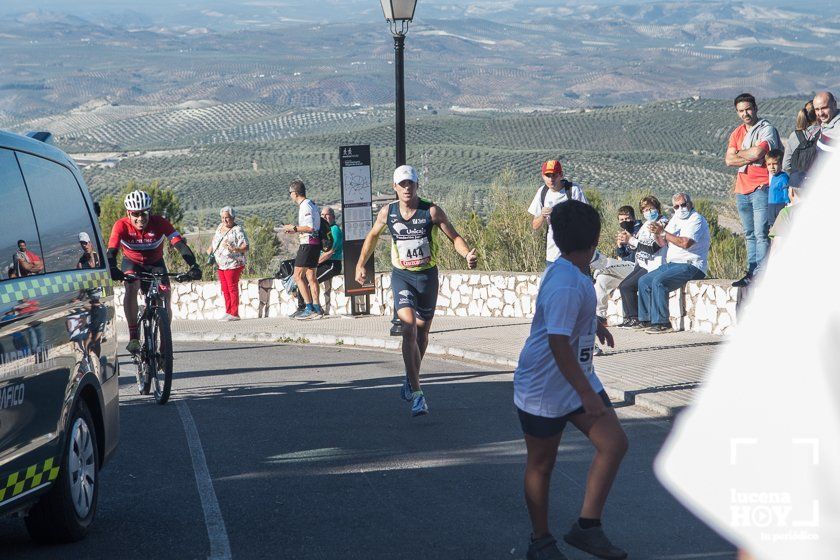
x=216 y=532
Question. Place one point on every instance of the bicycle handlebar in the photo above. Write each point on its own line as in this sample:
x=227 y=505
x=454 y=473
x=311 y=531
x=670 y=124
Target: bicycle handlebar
x=179 y=276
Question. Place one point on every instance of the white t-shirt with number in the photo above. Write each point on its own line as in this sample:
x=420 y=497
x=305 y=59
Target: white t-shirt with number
x=552 y=198
x=565 y=306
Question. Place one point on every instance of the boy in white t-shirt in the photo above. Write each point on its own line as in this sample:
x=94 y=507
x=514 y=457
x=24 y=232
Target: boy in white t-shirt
x=555 y=383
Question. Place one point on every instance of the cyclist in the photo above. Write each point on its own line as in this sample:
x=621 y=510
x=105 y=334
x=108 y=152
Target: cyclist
x=412 y=222
x=141 y=236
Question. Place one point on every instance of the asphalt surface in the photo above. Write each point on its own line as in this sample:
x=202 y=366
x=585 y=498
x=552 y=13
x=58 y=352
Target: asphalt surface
x=311 y=454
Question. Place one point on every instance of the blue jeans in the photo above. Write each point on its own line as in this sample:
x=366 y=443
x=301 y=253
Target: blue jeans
x=752 y=208
x=655 y=286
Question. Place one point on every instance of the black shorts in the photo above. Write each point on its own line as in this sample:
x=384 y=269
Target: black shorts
x=129 y=267
x=417 y=290
x=307 y=256
x=542 y=427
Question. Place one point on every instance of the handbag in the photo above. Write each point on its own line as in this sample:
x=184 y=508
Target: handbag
x=211 y=259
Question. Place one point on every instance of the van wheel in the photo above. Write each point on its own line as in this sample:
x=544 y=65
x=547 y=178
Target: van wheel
x=65 y=513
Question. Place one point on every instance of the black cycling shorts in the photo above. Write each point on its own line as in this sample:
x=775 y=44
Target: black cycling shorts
x=543 y=427
x=130 y=267
x=307 y=256
x=417 y=290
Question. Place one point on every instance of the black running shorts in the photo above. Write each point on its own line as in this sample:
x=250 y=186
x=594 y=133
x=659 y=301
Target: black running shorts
x=542 y=427
x=307 y=256
x=417 y=290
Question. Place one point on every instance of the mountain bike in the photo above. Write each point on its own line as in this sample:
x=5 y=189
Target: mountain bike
x=154 y=359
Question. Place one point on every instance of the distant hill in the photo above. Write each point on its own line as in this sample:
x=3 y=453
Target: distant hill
x=663 y=146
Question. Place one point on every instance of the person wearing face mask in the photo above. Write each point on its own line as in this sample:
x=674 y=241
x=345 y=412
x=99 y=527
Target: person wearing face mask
x=607 y=272
x=688 y=240
x=648 y=255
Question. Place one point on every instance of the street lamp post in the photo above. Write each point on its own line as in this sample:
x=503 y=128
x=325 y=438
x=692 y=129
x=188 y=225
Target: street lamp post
x=398 y=14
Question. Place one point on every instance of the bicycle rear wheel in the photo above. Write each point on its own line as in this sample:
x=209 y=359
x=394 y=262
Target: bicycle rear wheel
x=161 y=359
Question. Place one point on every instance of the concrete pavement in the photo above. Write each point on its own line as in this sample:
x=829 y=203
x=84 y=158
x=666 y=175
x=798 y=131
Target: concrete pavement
x=657 y=372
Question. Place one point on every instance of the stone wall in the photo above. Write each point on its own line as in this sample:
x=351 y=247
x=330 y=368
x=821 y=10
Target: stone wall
x=707 y=306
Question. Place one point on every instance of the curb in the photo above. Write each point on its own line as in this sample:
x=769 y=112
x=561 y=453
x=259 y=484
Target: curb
x=484 y=358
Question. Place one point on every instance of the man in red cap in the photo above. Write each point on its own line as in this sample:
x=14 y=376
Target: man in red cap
x=556 y=190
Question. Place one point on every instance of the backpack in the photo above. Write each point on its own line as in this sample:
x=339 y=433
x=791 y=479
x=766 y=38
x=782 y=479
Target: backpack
x=325 y=235
x=805 y=153
x=544 y=191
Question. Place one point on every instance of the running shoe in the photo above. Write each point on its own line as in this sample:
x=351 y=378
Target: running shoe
x=306 y=314
x=544 y=549
x=630 y=323
x=659 y=329
x=133 y=346
x=405 y=391
x=594 y=542
x=418 y=404
x=295 y=314
x=233 y=317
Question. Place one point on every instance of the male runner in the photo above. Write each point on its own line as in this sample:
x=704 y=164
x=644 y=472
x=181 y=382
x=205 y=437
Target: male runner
x=411 y=221
x=140 y=236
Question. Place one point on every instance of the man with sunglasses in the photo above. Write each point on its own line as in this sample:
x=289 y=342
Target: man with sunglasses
x=413 y=223
x=688 y=238
x=141 y=237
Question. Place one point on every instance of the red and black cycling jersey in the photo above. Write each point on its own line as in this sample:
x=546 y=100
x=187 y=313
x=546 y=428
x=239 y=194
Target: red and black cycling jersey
x=146 y=246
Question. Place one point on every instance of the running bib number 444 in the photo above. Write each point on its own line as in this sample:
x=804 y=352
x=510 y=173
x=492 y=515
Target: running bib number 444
x=414 y=252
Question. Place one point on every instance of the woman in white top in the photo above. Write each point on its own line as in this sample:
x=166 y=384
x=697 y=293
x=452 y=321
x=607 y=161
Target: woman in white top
x=227 y=251
x=649 y=256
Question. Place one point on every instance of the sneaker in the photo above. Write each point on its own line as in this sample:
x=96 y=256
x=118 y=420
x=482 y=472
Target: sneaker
x=133 y=346
x=296 y=313
x=544 y=549
x=306 y=314
x=405 y=391
x=594 y=542
x=641 y=325
x=418 y=404
x=743 y=282
x=630 y=323
x=233 y=317
x=659 y=329
x=224 y=317
x=597 y=351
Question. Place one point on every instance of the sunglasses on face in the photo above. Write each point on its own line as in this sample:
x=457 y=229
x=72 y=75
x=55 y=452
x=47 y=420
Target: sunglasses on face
x=83 y=243
x=138 y=214
x=683 y=205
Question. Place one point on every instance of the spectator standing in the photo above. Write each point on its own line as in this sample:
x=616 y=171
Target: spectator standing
x=807 y=126
x=329 y=263
x=26 y=262
x=556 y=189
x=748 y=144
x=778 y=195
x=648 y=257
x=688 y=240
x=228 y=250
x=309 y=250
x=825 y=106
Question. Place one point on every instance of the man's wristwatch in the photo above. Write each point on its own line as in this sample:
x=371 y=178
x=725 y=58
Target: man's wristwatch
x=294 y=228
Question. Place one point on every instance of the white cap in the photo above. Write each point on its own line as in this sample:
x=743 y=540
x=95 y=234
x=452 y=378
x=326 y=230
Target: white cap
x=404 y=172
x=84 y=237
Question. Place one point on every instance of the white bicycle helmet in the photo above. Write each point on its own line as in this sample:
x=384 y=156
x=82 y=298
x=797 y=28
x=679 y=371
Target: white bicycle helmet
x=138 y=201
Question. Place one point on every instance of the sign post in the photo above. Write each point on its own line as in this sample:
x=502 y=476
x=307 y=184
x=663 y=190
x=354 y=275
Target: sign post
x=357 y=219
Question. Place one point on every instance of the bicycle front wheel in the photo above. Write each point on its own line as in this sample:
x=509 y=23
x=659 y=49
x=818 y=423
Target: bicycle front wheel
x=162 y=362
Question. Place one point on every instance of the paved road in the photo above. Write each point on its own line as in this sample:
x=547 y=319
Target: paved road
x=311 y=461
